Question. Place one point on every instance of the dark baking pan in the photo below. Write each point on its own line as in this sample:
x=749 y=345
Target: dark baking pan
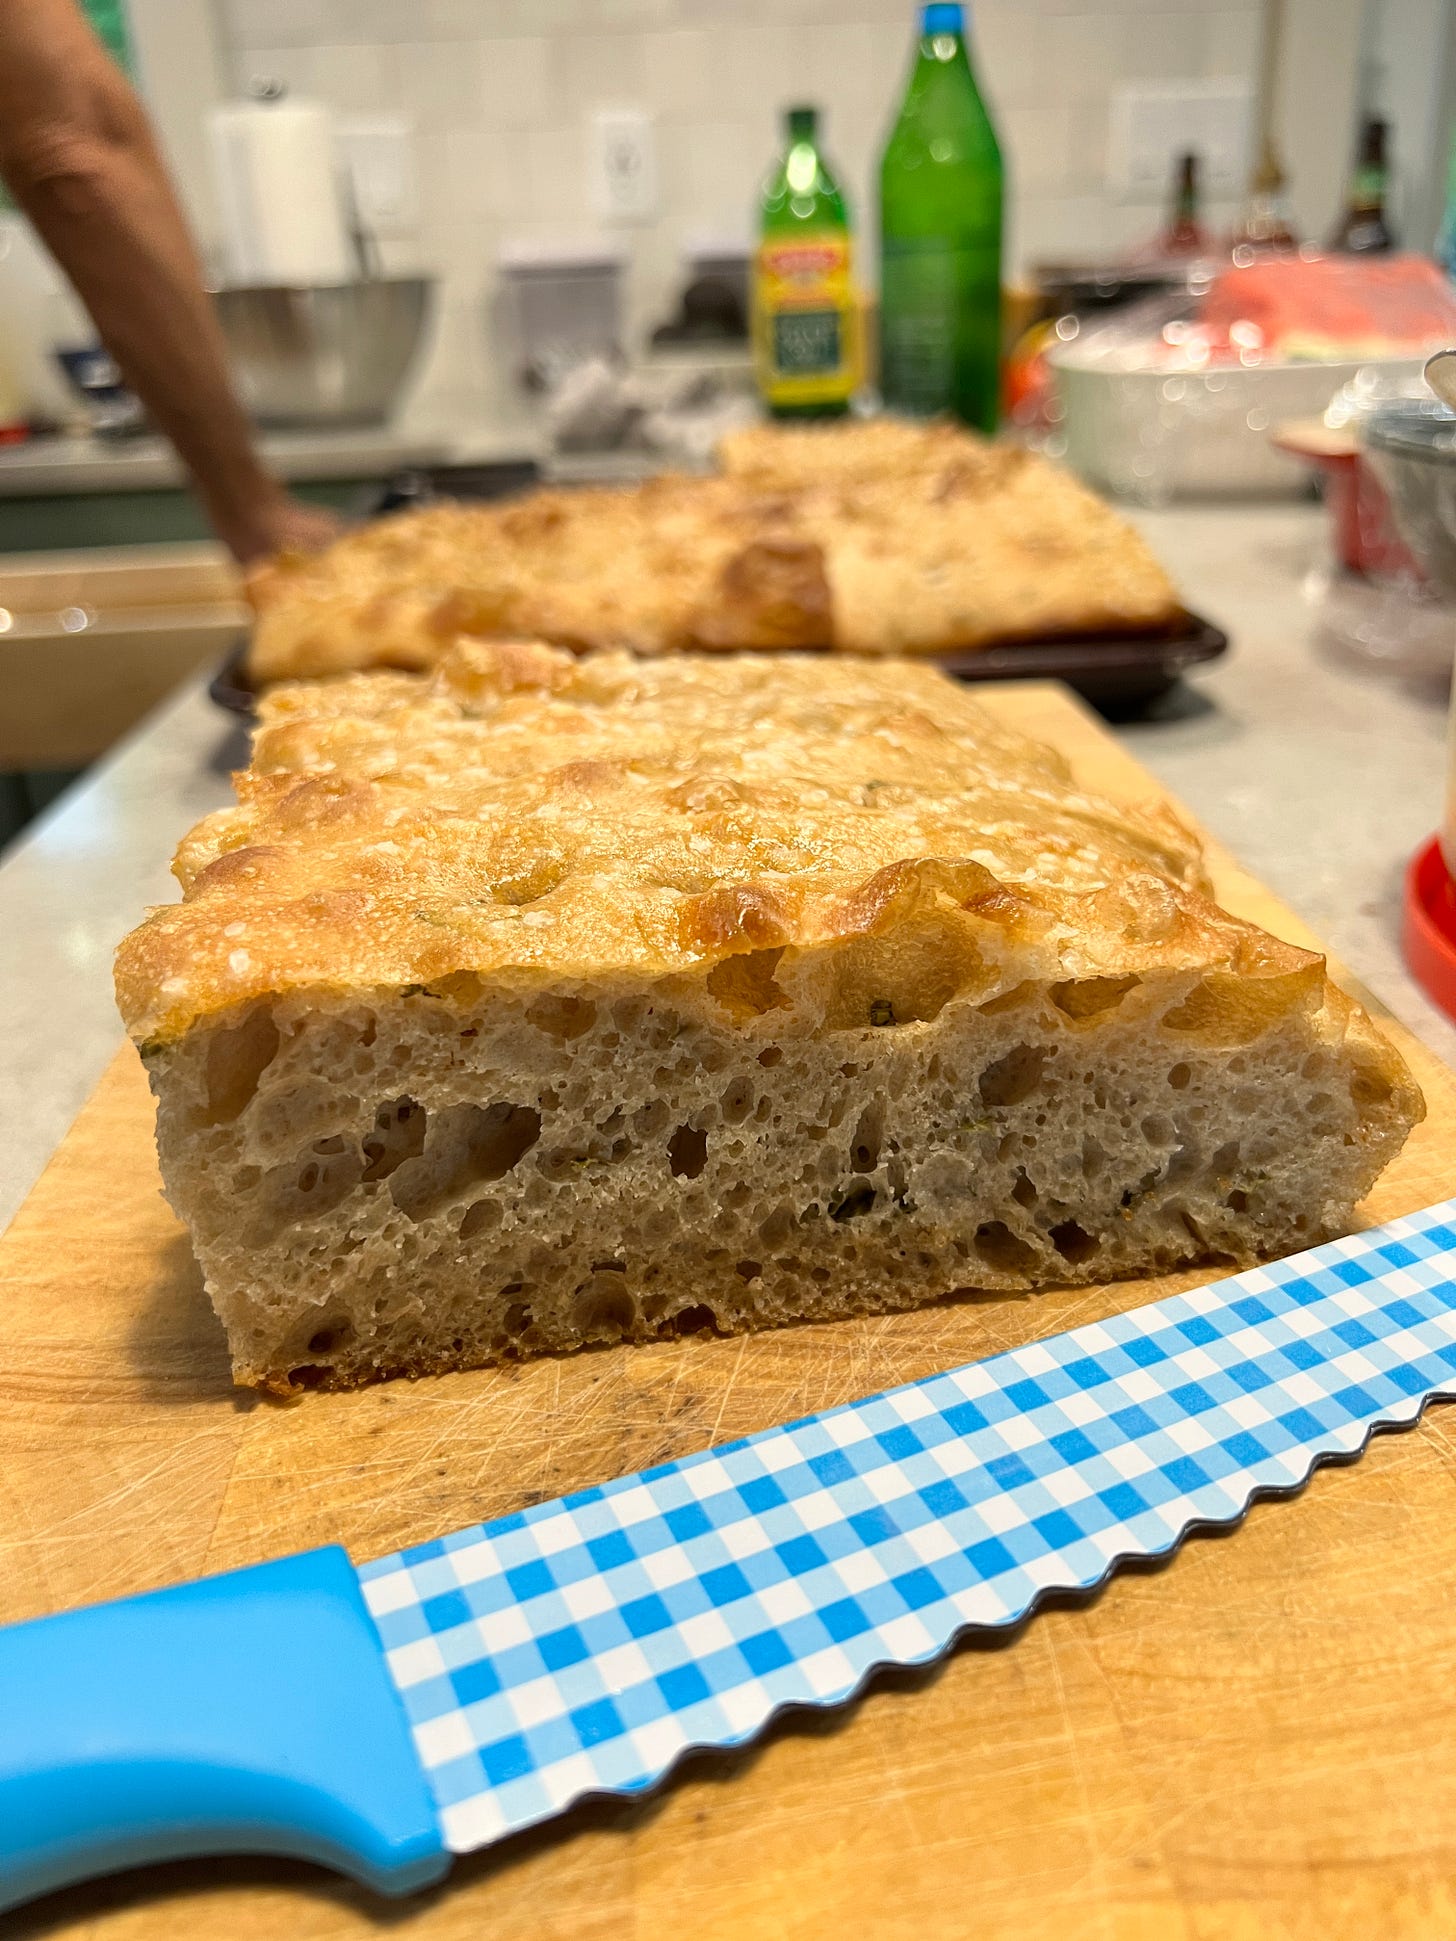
x=230 y=687
x=1119 y=674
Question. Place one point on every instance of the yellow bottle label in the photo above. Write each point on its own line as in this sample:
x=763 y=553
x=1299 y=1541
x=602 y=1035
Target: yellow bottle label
x=805 y=323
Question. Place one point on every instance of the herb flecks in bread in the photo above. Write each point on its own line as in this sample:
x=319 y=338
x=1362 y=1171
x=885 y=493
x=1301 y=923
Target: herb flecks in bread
x=556 y=1001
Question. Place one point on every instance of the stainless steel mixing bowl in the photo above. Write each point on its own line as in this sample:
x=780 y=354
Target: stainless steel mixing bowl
x=329 y=354
x=1412 y=445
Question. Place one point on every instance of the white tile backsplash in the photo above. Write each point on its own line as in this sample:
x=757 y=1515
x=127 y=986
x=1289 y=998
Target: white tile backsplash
x=550 y=180
x=679 y=73
x=1082 y=48
x=1086 y=141
x=500 y=92
x=1038 y=142
x=481 y=175
x=1231 y=41
x=461 y=19
x=599 y=70
x=756 y=62
x=1009 y=54
x=630 y=13
x=1158 y=45
x=361 y=79
x=514 y=79
x=537 y=17
x=278 y=23
x=439 y=85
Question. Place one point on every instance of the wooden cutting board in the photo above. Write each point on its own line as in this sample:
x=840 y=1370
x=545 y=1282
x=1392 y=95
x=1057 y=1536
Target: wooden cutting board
x=1252 y=1740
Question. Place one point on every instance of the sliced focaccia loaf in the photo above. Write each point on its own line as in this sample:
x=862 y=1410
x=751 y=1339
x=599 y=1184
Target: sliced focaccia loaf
x=878 y=538
x=554 y=1001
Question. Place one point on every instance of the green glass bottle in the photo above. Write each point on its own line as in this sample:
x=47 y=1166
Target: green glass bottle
x=805 y=323
x=108 y=20
x=941 y=189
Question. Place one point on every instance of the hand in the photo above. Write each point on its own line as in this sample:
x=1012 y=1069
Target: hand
x=279 y=526
x=299 y=528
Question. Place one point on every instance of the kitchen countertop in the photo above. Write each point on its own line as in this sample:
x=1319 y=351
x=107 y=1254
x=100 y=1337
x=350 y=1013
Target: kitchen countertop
x=71 y=463
x=1321 y=776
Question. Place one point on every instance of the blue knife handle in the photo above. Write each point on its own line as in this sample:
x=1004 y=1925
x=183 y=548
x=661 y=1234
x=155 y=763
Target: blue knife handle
x=247 y=1713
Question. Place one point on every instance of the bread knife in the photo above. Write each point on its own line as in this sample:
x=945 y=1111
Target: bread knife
x=385 y=1718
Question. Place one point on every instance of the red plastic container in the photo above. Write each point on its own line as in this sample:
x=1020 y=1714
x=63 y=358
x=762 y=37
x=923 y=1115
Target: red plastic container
x=1428 y=931
x=1366 y=541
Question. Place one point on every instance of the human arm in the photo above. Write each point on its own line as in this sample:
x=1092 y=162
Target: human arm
x=79 y=157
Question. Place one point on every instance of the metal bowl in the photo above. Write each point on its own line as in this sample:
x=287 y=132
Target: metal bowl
x=329 y=354
x=1412 y=445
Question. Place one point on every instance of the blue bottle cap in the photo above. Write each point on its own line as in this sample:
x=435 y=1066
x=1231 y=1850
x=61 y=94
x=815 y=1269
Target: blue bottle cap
x=941 y=18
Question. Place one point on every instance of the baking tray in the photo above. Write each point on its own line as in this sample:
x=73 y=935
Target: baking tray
x=1120 y=675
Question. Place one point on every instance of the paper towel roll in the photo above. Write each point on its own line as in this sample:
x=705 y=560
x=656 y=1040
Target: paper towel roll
x=278 y=191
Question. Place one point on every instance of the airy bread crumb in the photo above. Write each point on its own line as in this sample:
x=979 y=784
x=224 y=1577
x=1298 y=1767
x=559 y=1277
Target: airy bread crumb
x=555 y=1002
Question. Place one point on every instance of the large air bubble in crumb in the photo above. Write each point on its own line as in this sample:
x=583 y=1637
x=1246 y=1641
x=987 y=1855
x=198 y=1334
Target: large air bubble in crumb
x=237 y=1058
x=398 y=1135
x=1014 y=1077
x=468 y=1145
x=687 y=1152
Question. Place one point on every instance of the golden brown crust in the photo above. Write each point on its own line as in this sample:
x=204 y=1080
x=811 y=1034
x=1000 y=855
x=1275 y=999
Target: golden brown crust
x=526 y=817
x=877 y=538
x=789 y=458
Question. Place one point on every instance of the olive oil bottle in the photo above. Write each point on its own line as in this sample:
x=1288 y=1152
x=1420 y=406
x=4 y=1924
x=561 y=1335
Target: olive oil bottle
x=805 y=318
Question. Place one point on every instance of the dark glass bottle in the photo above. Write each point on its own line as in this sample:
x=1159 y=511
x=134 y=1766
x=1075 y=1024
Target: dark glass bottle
x=1364 y=228
x=941 y=192
x=1184 y=233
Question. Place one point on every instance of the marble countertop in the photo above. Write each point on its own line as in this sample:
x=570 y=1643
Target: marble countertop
x=1321 y=775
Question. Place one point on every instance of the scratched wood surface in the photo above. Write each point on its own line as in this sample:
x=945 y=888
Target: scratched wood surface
x=1251 y=1741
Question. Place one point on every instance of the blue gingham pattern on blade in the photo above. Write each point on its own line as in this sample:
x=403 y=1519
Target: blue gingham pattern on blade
x=582 y=1645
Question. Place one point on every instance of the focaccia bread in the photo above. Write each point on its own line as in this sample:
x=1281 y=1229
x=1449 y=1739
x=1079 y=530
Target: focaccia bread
x=788 y=457
x=881 y=538
x=556 y=1001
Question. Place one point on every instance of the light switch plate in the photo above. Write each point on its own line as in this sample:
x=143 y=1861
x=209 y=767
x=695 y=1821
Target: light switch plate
x=1153 y=124
x=622 y=162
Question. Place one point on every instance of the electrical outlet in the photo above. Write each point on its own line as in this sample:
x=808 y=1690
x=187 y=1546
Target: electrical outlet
x=622 y=159
x=1153 y=125
x=378 y=154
